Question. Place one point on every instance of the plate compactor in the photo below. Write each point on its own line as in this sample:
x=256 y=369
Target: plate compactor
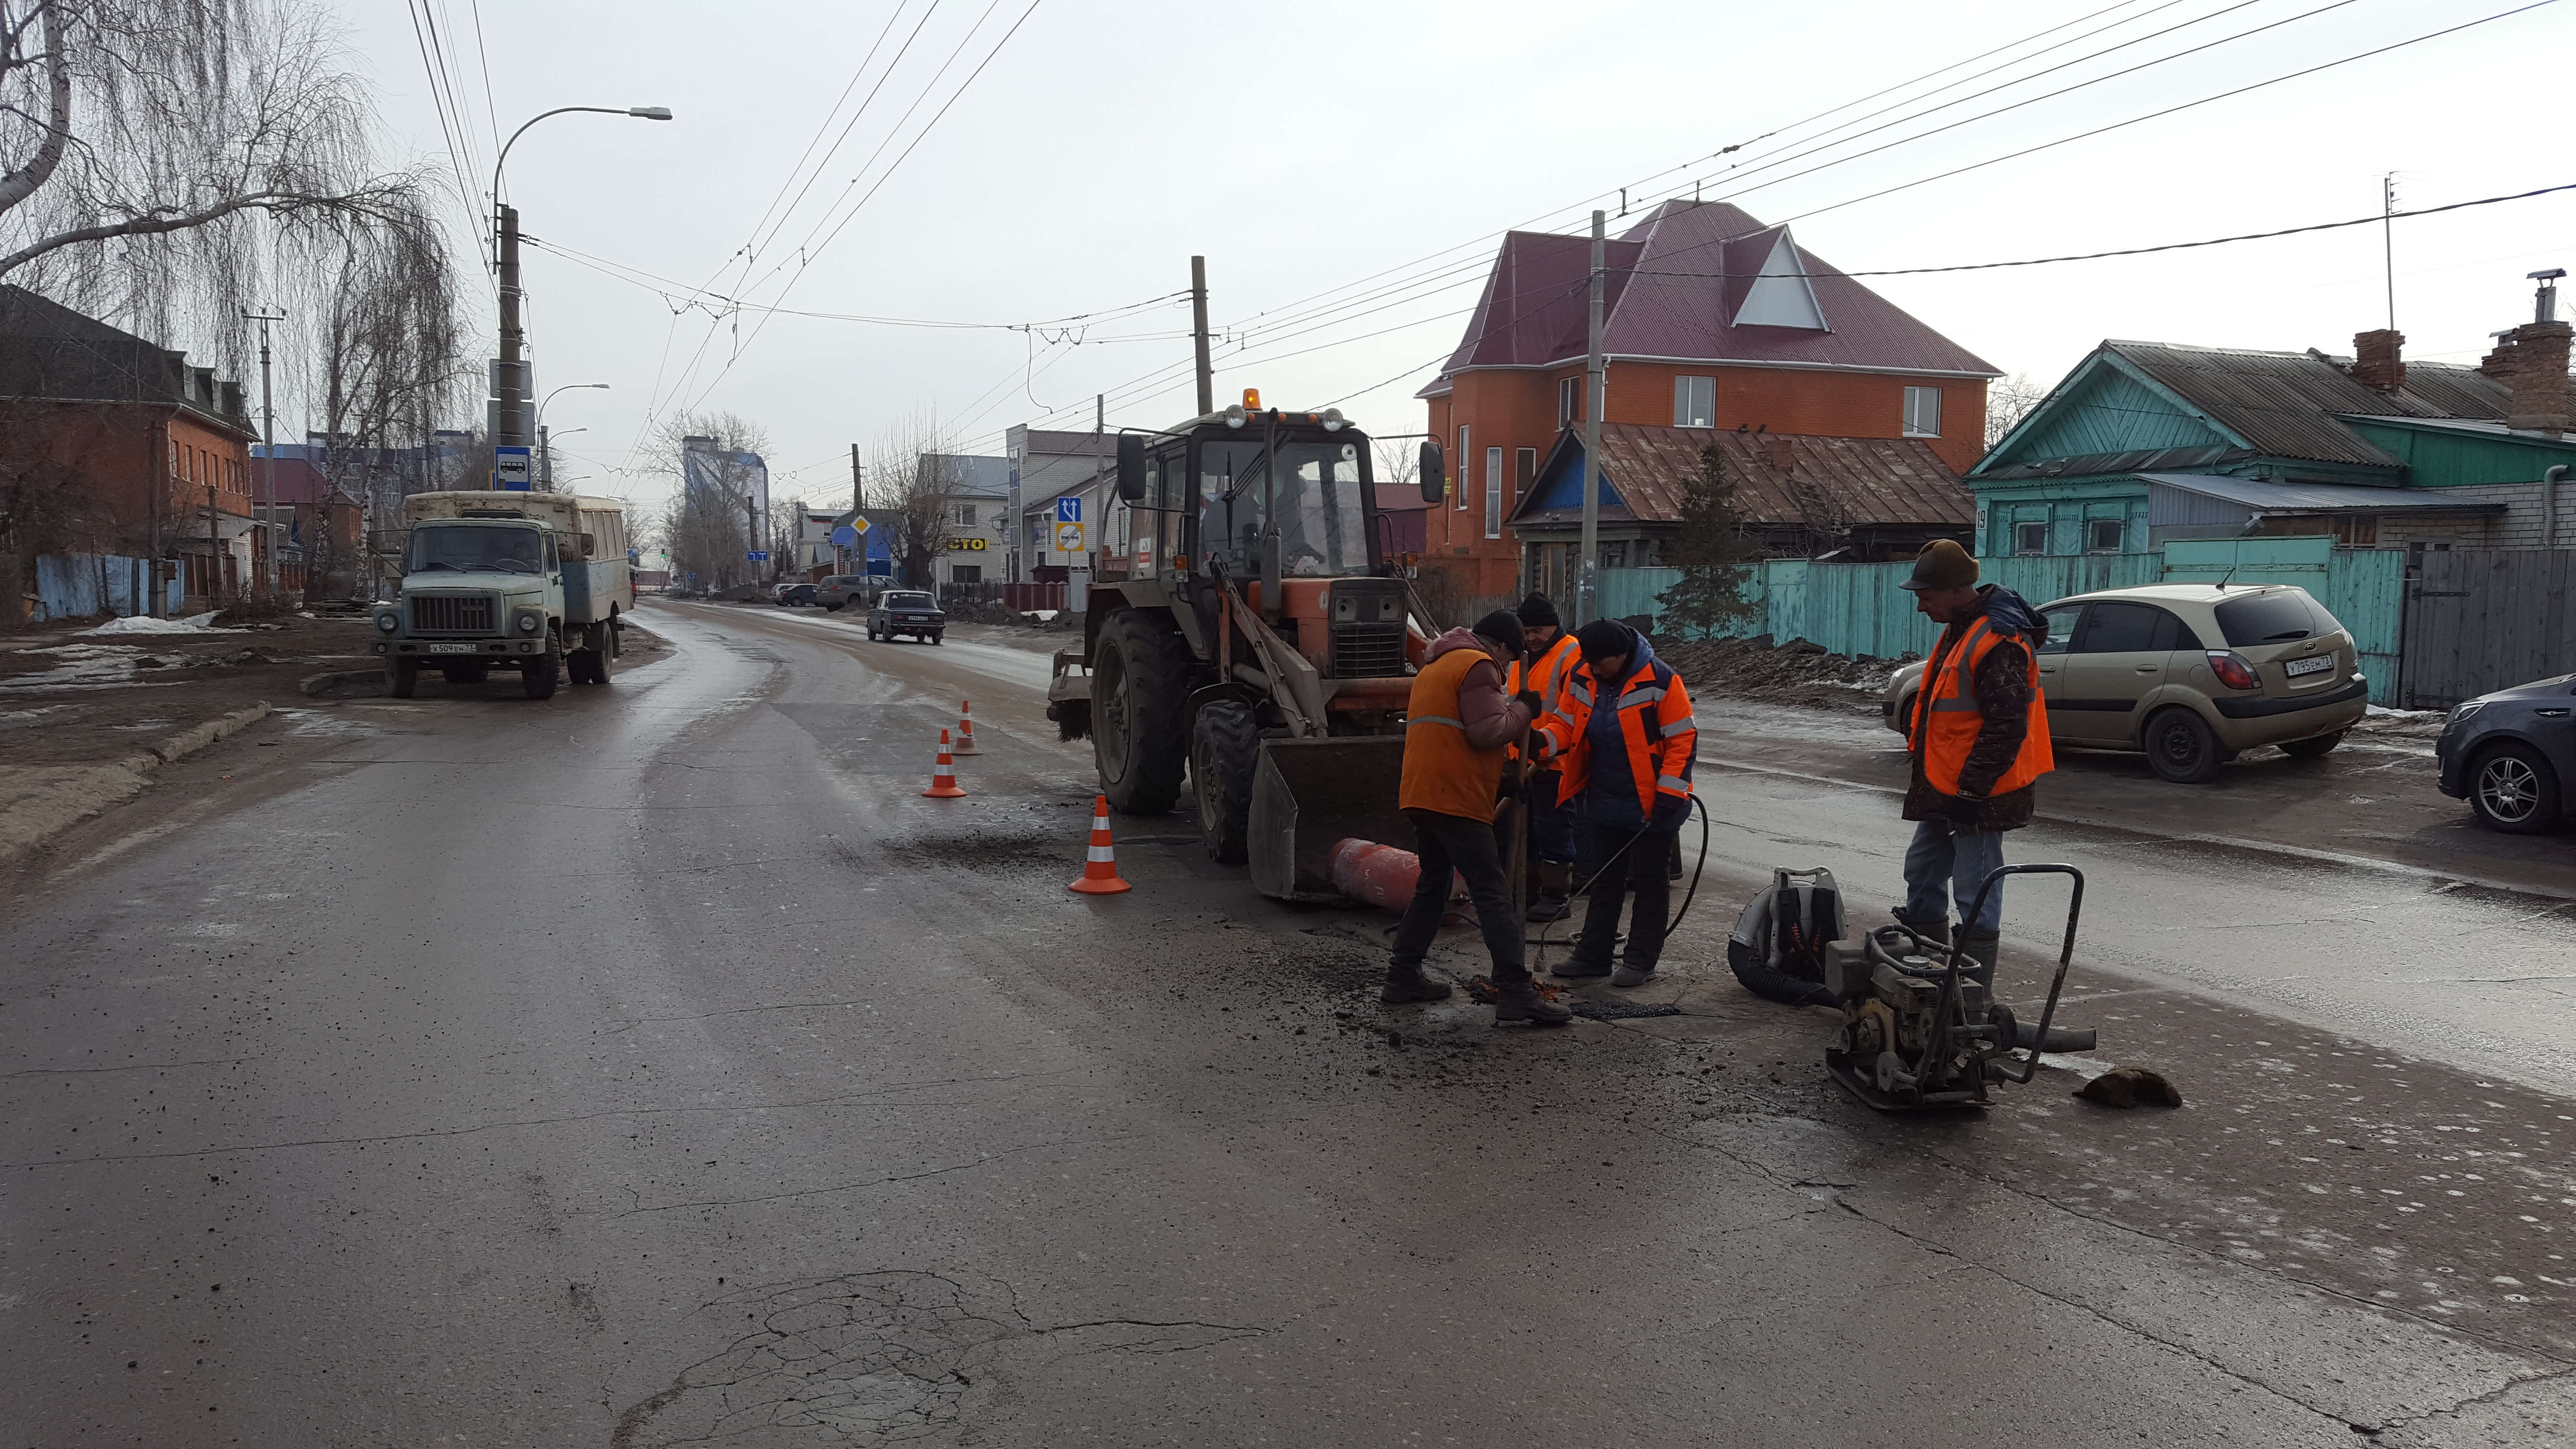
x=1920 y=1028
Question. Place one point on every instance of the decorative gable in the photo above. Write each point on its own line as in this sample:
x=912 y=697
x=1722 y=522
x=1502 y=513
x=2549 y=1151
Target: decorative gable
x=2106 y=408
x=1780 y=294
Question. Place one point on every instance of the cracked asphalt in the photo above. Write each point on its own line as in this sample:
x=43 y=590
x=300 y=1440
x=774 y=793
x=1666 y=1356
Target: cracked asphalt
x=653 y=1066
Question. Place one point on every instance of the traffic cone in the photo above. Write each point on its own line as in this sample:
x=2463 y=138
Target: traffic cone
x=943 y=775
x=966 y=728
x=1100 y=869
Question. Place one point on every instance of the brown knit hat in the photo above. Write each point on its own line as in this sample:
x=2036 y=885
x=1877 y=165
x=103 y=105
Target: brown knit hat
x=1941 y=565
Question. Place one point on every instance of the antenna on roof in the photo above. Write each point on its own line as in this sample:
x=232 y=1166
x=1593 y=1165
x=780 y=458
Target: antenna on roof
x=1623 y=201
x=2231 y=573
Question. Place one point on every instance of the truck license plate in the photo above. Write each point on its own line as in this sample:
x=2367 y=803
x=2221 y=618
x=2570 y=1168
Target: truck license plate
x=2314 y=664
x=451 y=648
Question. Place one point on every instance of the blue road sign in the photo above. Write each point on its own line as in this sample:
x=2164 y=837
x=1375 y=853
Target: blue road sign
x=511 y=468
x=1068 y=509
x=845 y=535
x=756 y=556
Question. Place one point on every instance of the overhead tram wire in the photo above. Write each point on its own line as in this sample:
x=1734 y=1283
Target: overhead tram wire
x=855 y=77
x=465 y=192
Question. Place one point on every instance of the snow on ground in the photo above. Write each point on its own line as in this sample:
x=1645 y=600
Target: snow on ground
x=140 y=624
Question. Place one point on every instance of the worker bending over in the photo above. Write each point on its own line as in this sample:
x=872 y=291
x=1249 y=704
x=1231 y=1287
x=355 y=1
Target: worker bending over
x=1979 y=741
x=1459 y=728
x=1551 y=659
x=1622 y=736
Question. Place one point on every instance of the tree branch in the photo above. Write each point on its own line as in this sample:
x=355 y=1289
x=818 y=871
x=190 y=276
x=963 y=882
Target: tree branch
x=22 y=182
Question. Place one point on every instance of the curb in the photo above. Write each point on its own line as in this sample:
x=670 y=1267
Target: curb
x=76 y=793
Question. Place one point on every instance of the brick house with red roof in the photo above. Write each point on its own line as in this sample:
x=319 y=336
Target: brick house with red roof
x=1711 y=321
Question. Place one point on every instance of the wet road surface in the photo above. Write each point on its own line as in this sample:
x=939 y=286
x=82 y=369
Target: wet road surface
x=654 y=1066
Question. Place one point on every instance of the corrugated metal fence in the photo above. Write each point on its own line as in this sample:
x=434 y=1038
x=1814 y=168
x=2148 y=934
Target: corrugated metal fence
x=86 y=585
x=1858 y=609
x=2485 y=619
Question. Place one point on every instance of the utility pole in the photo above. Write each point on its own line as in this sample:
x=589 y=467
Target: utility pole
x=858 y=481
x=214 y=569
x=2388 y=240
x=268 y=448
x=1597 y=382
x=1198 y=330
x=545 y=458
x=509 y=385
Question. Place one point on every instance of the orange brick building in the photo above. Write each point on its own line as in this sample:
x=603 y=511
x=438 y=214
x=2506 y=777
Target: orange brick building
x=1710 y=320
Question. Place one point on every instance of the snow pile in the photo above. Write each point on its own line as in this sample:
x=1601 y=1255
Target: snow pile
x=141 y=624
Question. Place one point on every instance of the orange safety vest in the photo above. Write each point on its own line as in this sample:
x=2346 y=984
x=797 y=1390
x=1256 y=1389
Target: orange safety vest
x=1656 y=725
x=1546 y=674
x=1442 y=772
x=1947 y=719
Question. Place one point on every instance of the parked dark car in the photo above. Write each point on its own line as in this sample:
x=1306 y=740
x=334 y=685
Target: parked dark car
x=902 y=612
x=2512 y=756
x=790 y=595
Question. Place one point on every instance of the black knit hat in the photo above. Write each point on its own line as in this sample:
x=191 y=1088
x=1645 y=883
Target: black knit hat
x=1503 y=627
x=1604 y=637
x=1537 y=613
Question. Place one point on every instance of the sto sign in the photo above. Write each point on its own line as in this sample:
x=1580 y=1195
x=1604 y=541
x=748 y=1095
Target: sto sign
x=968 y=545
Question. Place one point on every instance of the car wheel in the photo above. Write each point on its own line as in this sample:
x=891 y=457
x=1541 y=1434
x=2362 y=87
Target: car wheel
x=935 y=638
x=2181 y=747
x=2314 y=747
x=2512 y=789
x=1225 y=748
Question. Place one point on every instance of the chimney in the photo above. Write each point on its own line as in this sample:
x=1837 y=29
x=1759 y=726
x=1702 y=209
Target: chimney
x=1776 y=450
x=2376 y=362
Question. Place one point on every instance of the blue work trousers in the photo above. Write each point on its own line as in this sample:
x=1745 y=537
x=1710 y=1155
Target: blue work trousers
x=1959 y=860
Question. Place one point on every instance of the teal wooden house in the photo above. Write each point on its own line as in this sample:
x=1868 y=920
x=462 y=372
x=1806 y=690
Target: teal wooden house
x=2147 y=443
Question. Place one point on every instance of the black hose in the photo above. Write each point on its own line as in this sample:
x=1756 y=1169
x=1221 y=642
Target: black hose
x=1537 y=967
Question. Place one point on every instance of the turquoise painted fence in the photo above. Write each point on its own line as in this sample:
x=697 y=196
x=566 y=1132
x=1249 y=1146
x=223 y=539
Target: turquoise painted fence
x=86 y=585
x=1858 y=609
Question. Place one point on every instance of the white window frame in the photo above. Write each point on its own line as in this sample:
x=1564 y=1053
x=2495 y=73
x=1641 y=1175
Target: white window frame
x=1458 y=471
x=1920 y=401
x=965 y=515
x=1569 y=400
x=1694 y=402
x=1495 y=487
x=2024 y=523
x=2119 y=534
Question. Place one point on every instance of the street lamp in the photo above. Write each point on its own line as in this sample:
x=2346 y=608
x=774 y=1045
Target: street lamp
x=545 y=453
x=510 y=388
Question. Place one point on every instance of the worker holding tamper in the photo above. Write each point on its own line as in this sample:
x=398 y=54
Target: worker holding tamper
x=1459 y=727
x=1979 y=740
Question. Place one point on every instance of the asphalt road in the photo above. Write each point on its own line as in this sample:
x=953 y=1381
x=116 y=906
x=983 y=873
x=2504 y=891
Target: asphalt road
x=654 y=1066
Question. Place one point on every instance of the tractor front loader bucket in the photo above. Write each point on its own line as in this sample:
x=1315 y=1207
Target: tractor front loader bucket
x=1310 y=794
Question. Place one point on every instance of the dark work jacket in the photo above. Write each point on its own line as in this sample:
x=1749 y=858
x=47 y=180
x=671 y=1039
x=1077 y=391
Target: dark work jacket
x=2005 y=686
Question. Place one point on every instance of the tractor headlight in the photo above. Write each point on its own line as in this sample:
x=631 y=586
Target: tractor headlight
x=389 y=621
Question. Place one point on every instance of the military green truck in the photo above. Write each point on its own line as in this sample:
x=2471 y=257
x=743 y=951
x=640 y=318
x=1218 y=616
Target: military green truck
x=536 y=582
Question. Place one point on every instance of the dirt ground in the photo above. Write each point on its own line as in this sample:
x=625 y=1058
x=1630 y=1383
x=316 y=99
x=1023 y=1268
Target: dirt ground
x=72 y=694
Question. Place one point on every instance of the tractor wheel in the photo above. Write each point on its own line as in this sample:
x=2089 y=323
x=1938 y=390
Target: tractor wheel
x=1225 y=746
x=1140 y=699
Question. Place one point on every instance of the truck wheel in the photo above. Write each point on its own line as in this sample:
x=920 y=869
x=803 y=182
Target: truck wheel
x=544 y=672
x=577 y=666
x=1225 y=746
x=2182 y=747
x=402 y=676
x=599 y=665
x=1140 y=699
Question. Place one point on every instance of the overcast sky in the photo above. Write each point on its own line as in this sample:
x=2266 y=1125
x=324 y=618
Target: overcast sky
x=1304 y=149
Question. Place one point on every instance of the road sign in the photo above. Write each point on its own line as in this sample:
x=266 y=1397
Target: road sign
x=971 y=544
x=845 y=535
x=858 y=525
x=756 y=556
x=1068 y=509
x=511 y=468
x=1069 y=537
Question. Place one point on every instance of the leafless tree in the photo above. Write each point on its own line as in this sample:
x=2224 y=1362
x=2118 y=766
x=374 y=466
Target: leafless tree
x=2008 y=401
x=1398 y=464
x=708 y=522
x=918 y=494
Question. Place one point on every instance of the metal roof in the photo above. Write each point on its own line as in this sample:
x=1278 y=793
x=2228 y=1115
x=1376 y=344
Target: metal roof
x=1676 y=281
x=2268 y=497
x=2286 y=404
x=1829 y=483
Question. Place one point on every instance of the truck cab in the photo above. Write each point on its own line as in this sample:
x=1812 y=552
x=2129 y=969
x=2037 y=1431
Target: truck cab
x=533 y=582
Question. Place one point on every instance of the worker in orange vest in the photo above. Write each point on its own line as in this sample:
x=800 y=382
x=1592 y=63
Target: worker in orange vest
x=1624 y=736
x=1459 y=727
x=1979 y=741
x=1552 y=656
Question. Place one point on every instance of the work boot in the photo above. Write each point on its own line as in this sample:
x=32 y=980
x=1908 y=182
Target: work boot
x=1632 y=974
x=1577 y=968
x=1520 y=1001
x=1981 y=948
x=1406 y=985
x=1554 y=901
x=1933 y=932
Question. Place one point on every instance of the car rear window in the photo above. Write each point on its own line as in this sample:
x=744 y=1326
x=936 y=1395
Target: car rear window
x=2275 y=617
x=908 y=601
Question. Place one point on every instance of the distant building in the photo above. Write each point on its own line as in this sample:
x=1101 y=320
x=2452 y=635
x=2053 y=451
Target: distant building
x=1712 y=321
x=1049 y=466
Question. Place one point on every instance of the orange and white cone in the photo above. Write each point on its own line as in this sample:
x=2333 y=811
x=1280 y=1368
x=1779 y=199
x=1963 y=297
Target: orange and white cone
x=966 y=728
x=1100 y=869
x=943 y=775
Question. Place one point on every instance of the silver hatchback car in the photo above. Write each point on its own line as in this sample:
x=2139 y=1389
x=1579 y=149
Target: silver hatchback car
x=2192 y=674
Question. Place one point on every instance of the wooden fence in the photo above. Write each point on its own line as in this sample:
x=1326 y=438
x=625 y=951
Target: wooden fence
x=2487 y=619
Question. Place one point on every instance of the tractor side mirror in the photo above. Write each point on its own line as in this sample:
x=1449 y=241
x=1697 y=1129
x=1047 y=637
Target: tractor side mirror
x=1131 y=468
x=1435 y=476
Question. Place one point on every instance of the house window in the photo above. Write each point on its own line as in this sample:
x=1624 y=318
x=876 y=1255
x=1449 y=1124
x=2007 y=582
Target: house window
x=2030 y=538
x=1923 y=412
x=2357 y=530
x=966 y=515
x=2102 y=535
x=1695 y=402
x=965 y=573
x=1458 y=471
x=1495 y=487
x=1569 y=400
